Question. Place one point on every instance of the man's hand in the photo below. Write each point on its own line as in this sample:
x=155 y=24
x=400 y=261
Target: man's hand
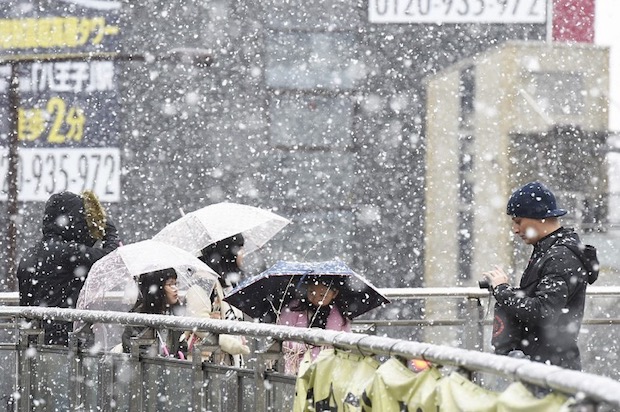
x=496 y=276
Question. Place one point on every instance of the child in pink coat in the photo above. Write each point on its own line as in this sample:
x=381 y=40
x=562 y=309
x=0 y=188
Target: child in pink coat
x=316 y=309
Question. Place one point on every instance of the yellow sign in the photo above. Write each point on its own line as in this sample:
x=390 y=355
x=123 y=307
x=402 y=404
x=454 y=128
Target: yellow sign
x=67 y=123
x=54 y=32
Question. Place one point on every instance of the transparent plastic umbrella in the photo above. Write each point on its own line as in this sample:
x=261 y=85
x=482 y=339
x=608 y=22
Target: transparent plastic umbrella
x=197 y=230
x=111 y=283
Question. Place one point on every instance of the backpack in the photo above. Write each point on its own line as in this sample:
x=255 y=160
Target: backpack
x=587 y=255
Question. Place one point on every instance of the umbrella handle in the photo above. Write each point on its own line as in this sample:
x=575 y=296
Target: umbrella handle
x=164 y=348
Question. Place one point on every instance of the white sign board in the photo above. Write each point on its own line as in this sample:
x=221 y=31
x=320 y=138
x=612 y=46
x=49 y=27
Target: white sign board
x=457 y=11
x=43 y=171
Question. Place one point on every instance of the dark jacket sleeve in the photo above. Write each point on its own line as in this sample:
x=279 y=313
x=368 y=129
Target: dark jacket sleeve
x=24 y=285
x=82 y=255
x=128 y=333
x=111 y=240
x=125 y=337
x=550 y=295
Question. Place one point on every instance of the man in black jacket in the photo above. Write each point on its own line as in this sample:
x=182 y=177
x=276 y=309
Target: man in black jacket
x=547 y=307
x=76 y=233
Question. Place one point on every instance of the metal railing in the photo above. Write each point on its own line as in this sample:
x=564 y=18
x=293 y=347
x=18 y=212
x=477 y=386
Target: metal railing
x=105 y=381
x=100 y=380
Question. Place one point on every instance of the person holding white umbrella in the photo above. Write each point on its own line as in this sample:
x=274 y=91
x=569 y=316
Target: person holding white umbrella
x=159 y=295
x=196 y=230
x=219 y=234
x=224 y=257
x=112 y=283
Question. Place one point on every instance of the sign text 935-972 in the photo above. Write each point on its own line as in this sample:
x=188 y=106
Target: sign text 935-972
x=42 y=171
x=457 y=11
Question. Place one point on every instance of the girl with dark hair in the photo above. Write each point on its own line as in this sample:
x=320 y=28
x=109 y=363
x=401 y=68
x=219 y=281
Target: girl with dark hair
x=159 y=295
x=224 y=257
x=316 y=308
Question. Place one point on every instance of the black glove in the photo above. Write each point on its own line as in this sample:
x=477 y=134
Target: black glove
x=110 y=240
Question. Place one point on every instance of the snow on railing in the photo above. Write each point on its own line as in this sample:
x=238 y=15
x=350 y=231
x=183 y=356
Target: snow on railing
x=584 y=385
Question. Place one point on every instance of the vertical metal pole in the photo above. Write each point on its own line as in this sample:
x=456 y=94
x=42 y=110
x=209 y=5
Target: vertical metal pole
x=264 y=361
x=105 y=383
x=231 y=389
x=199 y=386
x=11 y=205
x=24 y=384
x=27 y=374
x=260 y=392
x=550 y=21
x=76 y=373
x=137 y=377
x=474 y=329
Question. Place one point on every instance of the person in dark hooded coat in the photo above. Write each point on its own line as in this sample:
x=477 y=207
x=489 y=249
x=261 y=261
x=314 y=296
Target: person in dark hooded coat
x=76 y=233
x=547 y=308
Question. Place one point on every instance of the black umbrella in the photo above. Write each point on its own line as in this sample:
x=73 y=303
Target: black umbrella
x=262 y=296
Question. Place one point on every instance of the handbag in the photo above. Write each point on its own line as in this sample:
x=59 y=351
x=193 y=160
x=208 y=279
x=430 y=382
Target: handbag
x=507 y=331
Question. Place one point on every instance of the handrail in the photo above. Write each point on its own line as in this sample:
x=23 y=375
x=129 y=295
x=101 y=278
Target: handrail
x=596 y=388
x=12 y=298
x=473 y=292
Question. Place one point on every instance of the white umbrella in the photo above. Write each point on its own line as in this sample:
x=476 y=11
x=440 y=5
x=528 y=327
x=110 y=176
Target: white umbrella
x=197 y=230
x=115 y=274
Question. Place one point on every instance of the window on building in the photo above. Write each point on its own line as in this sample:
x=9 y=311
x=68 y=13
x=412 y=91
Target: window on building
x=306 y=60
x=311 y=115
x=311 y=121
x=558 y=93
x=580 y=183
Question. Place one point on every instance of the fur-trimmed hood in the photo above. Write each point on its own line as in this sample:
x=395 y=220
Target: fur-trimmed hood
x=74 y=218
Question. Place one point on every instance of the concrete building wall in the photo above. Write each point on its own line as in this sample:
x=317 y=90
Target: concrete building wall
x=442 y=168
x=441 y=211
